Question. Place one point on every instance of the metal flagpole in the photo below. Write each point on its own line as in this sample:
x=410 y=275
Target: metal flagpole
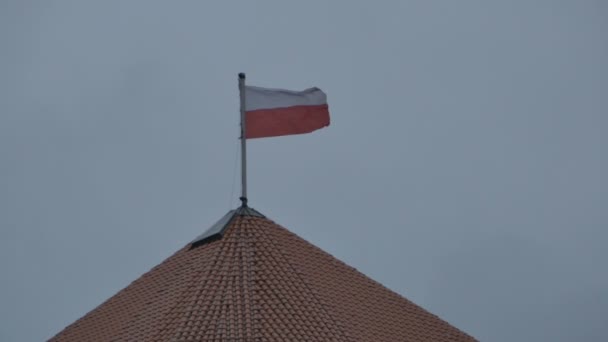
x=243 y=141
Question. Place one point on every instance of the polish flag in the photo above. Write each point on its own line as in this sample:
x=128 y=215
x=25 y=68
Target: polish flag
x=276 y=112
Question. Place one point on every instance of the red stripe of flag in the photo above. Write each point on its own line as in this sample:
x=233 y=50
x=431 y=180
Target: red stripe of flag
x=274 y=122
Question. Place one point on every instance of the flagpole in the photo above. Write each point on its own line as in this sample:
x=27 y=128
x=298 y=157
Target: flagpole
x=243 y=141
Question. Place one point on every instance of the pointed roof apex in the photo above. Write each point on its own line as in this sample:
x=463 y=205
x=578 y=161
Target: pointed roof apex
x=250 y=280
x=216 y=231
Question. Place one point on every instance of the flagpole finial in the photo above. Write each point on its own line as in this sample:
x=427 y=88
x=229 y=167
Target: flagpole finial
x=241 y=75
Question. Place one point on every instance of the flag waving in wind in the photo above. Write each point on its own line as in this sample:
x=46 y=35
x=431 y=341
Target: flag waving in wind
x=276 y=112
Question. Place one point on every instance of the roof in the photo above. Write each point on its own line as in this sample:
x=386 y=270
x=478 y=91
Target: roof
x=257 y=282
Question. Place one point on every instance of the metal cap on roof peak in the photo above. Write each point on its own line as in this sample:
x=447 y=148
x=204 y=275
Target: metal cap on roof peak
x=248 y=211
x=216 y=231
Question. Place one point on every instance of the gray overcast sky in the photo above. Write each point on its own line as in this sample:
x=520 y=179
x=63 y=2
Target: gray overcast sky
x=465 y=167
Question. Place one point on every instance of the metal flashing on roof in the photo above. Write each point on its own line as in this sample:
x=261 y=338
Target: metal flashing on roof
x=247 y=211
x=216 y=231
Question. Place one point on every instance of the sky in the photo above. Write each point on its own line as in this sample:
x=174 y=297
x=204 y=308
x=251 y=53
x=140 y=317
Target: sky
x=464 y=168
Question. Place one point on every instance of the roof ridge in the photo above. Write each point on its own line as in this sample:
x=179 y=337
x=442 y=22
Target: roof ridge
x=388 y=290
x=196 y=286
x=250 y=289
x=279 y=248
x=360 y=275
x=223 y=309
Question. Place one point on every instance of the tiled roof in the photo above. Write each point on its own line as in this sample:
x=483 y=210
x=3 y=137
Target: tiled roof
x=259 y=282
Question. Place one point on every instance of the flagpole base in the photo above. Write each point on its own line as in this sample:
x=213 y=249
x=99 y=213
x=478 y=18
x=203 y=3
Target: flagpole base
x=243 y=202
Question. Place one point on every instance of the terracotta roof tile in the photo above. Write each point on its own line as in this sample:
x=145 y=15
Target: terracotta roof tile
x=259 y=282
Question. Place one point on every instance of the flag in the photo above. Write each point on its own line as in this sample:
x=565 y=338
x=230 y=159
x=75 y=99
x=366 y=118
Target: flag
x=276 y=112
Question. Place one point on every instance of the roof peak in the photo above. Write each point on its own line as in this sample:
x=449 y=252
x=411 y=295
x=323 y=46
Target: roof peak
x=258 y=282
x=217 y=230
